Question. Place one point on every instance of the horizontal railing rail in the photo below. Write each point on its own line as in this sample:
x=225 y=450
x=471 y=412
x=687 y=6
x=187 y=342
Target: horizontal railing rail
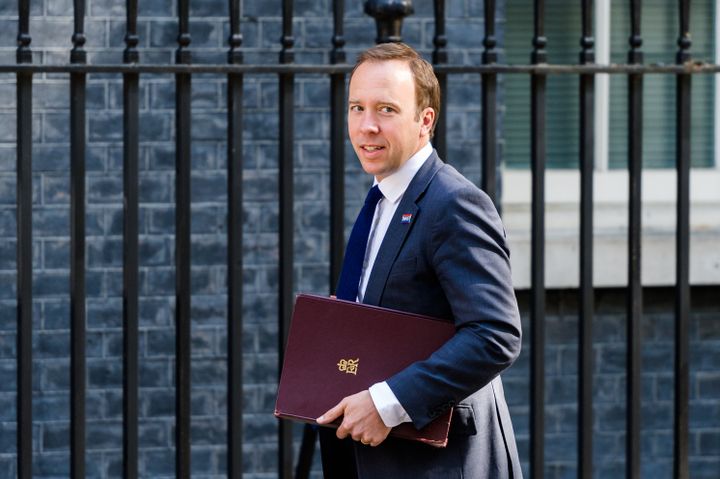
x=298 y=68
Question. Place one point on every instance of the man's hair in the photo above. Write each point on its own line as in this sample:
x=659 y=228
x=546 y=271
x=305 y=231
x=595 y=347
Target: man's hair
x=427 y=88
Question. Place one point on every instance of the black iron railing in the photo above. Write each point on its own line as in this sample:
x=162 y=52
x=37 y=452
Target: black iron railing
x=389 y=20
x=24 y=247
x=234 y=241
x=538 y=97
x=587 y=163
x=78 y=85
x=285 y=297
x=634 y=304
x=131 y=141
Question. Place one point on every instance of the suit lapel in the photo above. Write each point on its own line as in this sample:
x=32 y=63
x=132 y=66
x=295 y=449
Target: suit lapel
x=398 y=230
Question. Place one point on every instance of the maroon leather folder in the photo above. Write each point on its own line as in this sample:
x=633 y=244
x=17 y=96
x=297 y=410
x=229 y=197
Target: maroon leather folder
x=337 y=348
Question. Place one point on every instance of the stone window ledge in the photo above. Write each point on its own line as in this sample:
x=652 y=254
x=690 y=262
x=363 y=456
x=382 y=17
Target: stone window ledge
x=562 y=226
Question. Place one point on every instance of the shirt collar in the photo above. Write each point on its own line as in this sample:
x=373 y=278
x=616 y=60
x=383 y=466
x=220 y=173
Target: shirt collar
x=394 y=185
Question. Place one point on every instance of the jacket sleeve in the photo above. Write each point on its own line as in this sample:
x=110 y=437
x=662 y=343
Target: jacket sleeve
x=469 y=255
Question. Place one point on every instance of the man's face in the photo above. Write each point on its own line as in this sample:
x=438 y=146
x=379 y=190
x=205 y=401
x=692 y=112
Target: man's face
x=383 y=124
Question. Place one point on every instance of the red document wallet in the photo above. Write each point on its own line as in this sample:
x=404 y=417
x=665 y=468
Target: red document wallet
x=336 y=348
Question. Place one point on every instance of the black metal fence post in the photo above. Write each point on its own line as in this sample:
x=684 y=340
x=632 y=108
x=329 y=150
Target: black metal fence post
x=286 y=230
x=634 y=298
x=537 y=247
x=440 y=57
x=182 y=246
x=24 y=247
x=587 y=147
x=489 y=109
x=235 y=246
x=131 y=120
x=337 y=147
x=77 y=240
x=682 y=245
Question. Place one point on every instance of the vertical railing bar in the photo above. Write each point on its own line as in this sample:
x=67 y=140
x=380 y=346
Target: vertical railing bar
x=131 y=122
x=337 y=148
x=77 y=247
x=634 y=298
x=537 y=257
x=182 y=247
x=235 y=245
x=286 y=230
x=24 y=247
x=587 y=150
x=489 y=108
x=682 y=244
x=440 y=57
x=307 y=451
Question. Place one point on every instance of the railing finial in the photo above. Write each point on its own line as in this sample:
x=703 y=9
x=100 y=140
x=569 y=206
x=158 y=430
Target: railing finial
x=587 y=41
x=24 y=54
x=78 y=53
x=182 y=54
x=684 y=41
x=338 y=53
x=131 y=55
x=388 y=15
x=489 y=41
x=440 y=54
x=287 y=54
x=539 y=41
x=235 y=55
x=635 y=55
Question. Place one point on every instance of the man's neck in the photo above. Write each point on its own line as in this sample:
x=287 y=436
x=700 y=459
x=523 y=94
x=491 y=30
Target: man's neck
x=394 y=185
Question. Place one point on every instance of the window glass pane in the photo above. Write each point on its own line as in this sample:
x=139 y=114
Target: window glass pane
x=563 y=31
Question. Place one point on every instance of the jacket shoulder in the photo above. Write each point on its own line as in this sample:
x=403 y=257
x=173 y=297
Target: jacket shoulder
x=448 y=185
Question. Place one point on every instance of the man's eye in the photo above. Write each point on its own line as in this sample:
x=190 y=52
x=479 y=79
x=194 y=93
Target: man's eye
x=355 y=108
x=387 y=109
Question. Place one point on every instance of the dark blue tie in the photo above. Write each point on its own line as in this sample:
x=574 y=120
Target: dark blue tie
x=357 y=244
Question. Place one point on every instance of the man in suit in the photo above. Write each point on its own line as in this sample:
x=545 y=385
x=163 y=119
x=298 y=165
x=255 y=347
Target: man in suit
x=435 y=246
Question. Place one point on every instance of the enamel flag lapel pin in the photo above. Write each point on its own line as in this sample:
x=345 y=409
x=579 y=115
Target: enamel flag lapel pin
x=406 y=218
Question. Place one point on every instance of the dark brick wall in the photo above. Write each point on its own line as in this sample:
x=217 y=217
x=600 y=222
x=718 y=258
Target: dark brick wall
x=51 y=28
x=609 y=381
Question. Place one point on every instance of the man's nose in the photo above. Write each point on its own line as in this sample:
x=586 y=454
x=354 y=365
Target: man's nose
x=369 y=123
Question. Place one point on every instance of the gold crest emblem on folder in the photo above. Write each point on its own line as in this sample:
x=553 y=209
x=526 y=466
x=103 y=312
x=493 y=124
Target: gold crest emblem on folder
x=349 y=366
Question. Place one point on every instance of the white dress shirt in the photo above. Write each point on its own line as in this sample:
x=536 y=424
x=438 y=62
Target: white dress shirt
x=393 y=188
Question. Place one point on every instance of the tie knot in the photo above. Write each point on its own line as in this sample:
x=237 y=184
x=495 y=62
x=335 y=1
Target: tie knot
x=373 y=196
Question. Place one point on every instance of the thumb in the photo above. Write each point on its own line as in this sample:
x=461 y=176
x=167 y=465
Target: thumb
x=332 y=413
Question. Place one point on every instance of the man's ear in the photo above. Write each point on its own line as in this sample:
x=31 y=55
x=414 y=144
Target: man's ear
x=427 y=120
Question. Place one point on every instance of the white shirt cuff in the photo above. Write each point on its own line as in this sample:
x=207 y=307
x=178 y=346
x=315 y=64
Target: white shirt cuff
x=391 y=411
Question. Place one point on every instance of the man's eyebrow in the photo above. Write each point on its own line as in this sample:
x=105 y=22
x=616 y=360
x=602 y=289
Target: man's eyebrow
x=381 y=102
x=393 y=104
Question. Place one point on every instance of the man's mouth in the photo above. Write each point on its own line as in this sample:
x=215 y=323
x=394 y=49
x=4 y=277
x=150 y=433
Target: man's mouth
x=372 y=147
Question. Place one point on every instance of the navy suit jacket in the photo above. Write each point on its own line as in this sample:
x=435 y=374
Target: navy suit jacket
x=450 y=261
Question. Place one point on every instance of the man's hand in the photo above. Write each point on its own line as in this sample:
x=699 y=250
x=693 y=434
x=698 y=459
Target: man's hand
x=361 y=420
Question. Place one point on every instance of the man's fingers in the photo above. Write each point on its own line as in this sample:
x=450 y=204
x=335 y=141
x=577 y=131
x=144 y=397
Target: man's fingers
x=342 y=432
x=346 y=429
x=332 y=413
x=360 y=420
x=366 y=442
